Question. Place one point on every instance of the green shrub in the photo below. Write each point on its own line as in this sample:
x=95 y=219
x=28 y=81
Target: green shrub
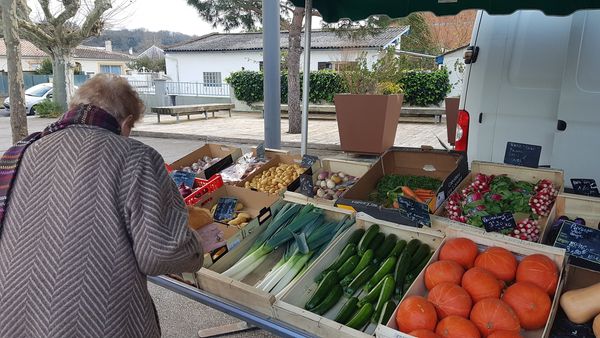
x=48 y=109
x=424 y=88
x=247 y=85
x=389 y=88
x=324 y=85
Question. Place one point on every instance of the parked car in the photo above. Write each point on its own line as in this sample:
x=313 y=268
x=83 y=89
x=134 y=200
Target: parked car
x=33 y=96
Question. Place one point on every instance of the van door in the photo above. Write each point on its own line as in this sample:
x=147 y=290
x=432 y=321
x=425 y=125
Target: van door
x=577 y=147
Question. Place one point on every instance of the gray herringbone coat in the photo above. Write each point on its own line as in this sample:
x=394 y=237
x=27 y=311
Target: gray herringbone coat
x=90 y=215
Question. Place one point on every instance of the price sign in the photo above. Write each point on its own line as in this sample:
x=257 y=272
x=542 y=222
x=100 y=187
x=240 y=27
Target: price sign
x=585 y=186
x=415 y=211
x=180 y=176
x=308 y=161
x=521 y=154
x=225 y=209
x=260 y=151
x=307 y=187
x=581 y=242
x=499 y=223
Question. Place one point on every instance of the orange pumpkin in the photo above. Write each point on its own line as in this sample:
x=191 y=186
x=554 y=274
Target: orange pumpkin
x=461 y=250
x=443 y=271
x=481 y=284
x=530 y=302
x=421 y=333
x=499 y=261
x=505 y=334
x=490 y=315
x=414 y=313
x=457 y=327
x=539 y=270
x=450 y=299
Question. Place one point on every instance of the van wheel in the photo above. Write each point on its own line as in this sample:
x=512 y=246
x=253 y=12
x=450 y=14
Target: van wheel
x=32 y=111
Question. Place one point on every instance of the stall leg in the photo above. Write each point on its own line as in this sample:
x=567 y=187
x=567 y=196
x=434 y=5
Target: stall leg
x=225 y=329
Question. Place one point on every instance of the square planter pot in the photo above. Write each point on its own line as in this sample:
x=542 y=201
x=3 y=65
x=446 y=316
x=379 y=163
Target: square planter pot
x=367 y=123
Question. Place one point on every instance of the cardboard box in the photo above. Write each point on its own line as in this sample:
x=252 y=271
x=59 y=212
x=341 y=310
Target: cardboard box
x=227 y=154
x=276 y=160
x=516 y=173
x=484 y=240
x=448 y=166
x=351 y=168
x=290 y=306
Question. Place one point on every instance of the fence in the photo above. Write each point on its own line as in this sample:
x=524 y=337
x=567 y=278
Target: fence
x=31 y=80
x=183 y=88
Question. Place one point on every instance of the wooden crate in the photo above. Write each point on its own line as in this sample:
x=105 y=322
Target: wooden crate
x=244 y=292
x=352 y=168
x=228 y=155
x=484 y=239
x=515 y=173
x=290 y=306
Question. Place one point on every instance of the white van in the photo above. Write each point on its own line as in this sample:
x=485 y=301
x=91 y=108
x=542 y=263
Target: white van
x=536 y=80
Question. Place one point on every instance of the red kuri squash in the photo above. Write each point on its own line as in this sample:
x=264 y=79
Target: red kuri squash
x=450 y=299
x=505 y=334
x=530 y=302
x=499 y=261
x=421 y=333
x=539 y=270
x=414 y=313
x=457 y=327
x=481 y=284
x=492 y=314
x=461 y=250
x=443 y=271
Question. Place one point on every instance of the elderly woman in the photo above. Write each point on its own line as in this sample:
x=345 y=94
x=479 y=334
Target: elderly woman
x=85 y=214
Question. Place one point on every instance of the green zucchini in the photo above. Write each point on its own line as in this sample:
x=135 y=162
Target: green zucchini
x=386 y=267
x=367 y=238
x=361 y=317
x=348 y=251
x=418 y=256
x=346 y=312
x=365 y=260
x=330 y=279
x=412 y=246
x=386 y=293
x=356 y=236
x=386 y=312
x=360 y=280
x=332 y=298
x=373 y=295
x=377 y=241
x=386 y=248
x=401 y=271
x=412 y=275
x=398 y=248
x=348 y=267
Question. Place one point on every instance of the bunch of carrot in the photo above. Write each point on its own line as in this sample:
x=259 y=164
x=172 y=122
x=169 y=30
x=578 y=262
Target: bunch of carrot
x=419 y=195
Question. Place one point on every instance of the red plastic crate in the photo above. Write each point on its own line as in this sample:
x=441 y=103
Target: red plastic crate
x=202 y=187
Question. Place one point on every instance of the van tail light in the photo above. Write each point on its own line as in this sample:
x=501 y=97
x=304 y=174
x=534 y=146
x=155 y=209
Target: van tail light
x=462 y=131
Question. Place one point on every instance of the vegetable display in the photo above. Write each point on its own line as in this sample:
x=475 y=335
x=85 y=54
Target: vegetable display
x=330 y=185
x=419 y=188
x=492 y=195
x=202 y=164
x=496 y=294
x=304 y=232
x=365 y=271
x=276 y=179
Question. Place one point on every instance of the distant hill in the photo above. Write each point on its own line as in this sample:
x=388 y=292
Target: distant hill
x=138 y=39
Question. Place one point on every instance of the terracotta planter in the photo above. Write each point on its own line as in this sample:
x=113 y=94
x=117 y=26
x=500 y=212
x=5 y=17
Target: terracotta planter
x=451 y=117
x=367 y=123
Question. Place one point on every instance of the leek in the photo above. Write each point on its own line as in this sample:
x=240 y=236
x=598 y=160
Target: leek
x=292 y=273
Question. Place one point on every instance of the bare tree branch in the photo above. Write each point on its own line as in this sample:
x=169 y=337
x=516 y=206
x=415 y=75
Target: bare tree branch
x=71 y=8
x=45 y=4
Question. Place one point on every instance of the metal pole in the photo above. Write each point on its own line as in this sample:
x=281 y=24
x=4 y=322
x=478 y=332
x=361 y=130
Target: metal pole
x=305 y=83
x=272 y=74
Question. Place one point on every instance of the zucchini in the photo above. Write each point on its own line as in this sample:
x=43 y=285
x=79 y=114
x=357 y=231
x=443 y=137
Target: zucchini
x=332 y=298
x=386 y=293
x=367 y=238
x=418 y=256
x=386 y=312
x=365 y=260
x=360 y=280
x=398 y=248
x=386 y=248
x=348 y=267
x=330 y=279
x=377 y=241
x=412 y=246
x=412 y=275
x=373 y=295
x=356 y=236
x=401 y=271
x=386 y=267
x=346 y=312
x=348 y=251
x=361 y=317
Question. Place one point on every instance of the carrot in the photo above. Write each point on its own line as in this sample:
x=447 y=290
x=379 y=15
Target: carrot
x=409 y=193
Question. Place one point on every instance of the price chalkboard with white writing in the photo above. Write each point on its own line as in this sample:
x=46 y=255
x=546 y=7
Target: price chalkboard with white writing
x=522 y=154
x=585 y=186
x=502 y=223
x=581 y=242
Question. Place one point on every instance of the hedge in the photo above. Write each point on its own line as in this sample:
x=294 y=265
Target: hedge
x=424 y=88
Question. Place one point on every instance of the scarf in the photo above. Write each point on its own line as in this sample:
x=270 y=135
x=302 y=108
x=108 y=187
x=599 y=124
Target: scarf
x=9 y=163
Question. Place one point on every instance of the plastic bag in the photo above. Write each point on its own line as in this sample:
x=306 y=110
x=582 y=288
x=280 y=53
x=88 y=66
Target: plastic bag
x=244 y=167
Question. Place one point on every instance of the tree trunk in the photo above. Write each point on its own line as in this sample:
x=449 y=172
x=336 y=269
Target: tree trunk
x=62 y=77
x=293 y=68
x=18 y=114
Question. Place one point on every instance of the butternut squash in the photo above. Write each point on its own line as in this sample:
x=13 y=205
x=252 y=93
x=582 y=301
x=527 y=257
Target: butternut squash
x=596 y=326
x=581 y=305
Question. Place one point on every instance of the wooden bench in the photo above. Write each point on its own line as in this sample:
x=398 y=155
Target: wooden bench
x=192 y=109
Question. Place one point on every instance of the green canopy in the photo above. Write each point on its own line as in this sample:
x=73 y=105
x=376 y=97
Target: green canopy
x=334 y=10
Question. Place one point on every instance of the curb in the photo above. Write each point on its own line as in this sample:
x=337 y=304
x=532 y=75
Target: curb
x=234 y=140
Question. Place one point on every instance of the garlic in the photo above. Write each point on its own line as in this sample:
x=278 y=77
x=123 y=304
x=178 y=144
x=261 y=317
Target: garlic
x=330 y=184
x=323 y=184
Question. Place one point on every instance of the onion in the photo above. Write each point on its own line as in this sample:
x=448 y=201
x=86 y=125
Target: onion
x=323 y=175
x=341 y=174
x=323 y=184
x=330 y=184
x=320 y=192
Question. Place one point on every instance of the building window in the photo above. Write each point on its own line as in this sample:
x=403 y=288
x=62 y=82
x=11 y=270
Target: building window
x=325 y=65
x=111 y=69
x=345 y=65
x=212 y=79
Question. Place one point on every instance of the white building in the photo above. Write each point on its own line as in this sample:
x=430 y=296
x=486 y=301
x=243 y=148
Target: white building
x=210 y=59
x=454 y=62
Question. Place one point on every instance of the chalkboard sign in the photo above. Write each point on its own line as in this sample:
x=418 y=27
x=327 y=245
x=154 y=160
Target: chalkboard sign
x=499 y=223
x=581 y=242
x=521 y=154
x=585 y=186
x=308 y=161
x=415 y=211
x=225 y=209
x=307 y=187
x=260 y=151
x=180 y=176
